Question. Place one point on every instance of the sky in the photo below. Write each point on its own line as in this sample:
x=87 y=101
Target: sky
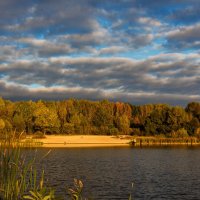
x=136 y=51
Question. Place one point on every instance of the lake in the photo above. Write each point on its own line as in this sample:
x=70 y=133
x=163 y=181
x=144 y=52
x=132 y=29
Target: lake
x=108 y=173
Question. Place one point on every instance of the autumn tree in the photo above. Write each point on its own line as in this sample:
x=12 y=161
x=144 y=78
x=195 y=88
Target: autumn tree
x=45 y=119
x=194 y=108
x=19 y=123
x=8 y=127
x=140 y=114
x=123 y=124
x=155 y=124
x=103 y=117
x=99 y=117
x=26 y=110
x=62 y=114
x=122 y=117
x=2 y=125
x=2 y=108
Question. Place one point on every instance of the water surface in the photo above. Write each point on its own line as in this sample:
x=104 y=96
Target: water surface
x=108 y=173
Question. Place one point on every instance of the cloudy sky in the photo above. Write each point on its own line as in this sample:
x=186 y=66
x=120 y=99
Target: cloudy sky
x=137 y=51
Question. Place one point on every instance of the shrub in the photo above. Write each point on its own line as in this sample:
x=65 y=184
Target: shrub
x=136 y=131
x=113 y=131
x=197 y=133
x=180 y=133
x=39 y=135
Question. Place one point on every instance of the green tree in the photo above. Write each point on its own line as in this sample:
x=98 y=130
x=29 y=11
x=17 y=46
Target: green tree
x=62 y=114
x=8 y=127
x=45 y=119
x=123 y=124
x=68 y=128
x=26 y=110
x=177 y=118
x=122 y=117
x=194 y=108
x=156 y=124
x=197 y=132
x=76 y=122
x=2 y=126
x=140 y=115
x=2 y=108
x=180 y=133
x=103 y=117
x=192 y=125
x=18 y=123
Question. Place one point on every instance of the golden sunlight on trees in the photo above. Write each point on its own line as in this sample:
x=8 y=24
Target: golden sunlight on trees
x=99 y=117
x=45 y=119
x=2 y=124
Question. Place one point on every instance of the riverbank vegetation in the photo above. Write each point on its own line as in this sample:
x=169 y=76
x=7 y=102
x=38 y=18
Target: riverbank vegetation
x=164 y=141
x=20 y=179
x=98 y=117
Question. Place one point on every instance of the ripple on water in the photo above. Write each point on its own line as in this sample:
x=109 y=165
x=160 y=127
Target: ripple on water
x=108 y=173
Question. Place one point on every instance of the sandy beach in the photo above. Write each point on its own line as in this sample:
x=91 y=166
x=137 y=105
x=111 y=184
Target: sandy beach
x=84 y=141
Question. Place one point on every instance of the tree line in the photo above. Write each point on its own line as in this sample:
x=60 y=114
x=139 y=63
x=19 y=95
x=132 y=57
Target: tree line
x=99 y=117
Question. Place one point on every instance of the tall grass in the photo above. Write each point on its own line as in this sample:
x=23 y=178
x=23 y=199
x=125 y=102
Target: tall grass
x=19 y=178
x=18 y=175
x=163 y=141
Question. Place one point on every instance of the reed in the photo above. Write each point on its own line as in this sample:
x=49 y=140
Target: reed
x=18 y=175
x=19 y=179
x=160 y=141
x=16 y=141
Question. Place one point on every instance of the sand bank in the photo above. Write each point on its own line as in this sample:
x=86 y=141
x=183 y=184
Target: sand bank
x=68 y=141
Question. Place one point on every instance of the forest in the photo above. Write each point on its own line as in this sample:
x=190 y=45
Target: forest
x=74 y=116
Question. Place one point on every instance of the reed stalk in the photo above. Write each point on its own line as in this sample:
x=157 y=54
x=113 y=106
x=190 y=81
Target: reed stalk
x=18 y=175
x=19 y=179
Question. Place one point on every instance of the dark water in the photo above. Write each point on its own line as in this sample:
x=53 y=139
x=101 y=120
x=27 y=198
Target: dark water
x=108 y=173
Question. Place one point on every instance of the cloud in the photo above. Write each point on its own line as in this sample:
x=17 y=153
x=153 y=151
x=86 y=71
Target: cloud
x=98 y=36
x=45 y=48
x=141 y=50
x=149 y=21
x=23 y=93
x=47 y=17
x=171 y=74
x=187 y=15
x=112 y=50
x=9 y=53
x=184 y=37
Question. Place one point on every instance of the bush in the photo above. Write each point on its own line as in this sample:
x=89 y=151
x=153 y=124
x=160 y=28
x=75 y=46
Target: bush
x=113 y=131
x=197 y=133
x=136 y=132
x=39 y=135
x=180 y=133
x=69 y=128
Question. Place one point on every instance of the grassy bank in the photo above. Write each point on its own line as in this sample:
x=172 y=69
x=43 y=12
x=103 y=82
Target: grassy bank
x=157 y=141
x=22 y=144
x=19 y=179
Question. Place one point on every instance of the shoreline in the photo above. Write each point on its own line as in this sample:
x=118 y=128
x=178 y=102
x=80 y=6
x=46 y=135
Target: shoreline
x=83 y=141
x=87 y=141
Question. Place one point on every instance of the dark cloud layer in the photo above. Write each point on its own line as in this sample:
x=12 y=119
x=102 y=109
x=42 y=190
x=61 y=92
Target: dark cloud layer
x=106 y=77
x=185 y=37
x=15 y=92
x=138 y=51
